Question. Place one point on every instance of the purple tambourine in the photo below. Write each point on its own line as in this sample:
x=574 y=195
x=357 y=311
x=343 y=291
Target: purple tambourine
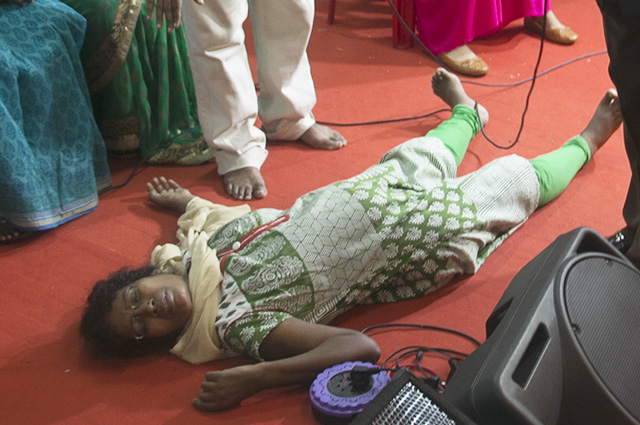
x=336 y=398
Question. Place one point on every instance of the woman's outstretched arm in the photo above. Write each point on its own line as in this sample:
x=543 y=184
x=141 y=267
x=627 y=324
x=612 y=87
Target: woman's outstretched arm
x=295 y=352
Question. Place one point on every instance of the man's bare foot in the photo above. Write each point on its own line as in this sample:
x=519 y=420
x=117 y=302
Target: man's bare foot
x=245 y=184
x=447 y=86
x=322 y=137
x=9 y=234
x=168 y=194
x=605 y=121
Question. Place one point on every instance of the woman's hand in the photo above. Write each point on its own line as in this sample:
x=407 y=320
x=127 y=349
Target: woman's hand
x=169 y=10
x=227 y=388
x=17 y=2
x=296 y=352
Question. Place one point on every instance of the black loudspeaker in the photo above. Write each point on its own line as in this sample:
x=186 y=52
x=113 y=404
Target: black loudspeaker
x=563 y=342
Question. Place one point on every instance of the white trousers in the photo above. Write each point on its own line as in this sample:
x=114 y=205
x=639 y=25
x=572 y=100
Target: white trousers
x=227 y=101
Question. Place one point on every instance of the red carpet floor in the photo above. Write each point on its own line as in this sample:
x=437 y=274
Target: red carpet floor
x=45 y=378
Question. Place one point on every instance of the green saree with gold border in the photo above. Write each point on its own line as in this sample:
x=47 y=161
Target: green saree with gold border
x=140 y=83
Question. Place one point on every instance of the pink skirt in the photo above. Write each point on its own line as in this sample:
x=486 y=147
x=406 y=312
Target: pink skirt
x=444 y=25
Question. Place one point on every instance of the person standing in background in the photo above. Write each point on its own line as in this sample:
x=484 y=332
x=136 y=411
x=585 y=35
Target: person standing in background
x=52 y=156
x=228 y=105
x=446 y=27
x=621 y=23
x=137 y=69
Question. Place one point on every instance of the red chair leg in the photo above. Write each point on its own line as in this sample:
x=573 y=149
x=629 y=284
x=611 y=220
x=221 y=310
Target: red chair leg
x=406 y=10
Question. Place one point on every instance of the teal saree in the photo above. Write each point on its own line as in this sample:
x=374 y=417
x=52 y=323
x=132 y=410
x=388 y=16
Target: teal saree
x=52 y=156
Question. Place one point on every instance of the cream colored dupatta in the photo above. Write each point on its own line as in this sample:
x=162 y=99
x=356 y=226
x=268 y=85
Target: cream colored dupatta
x=199 y=342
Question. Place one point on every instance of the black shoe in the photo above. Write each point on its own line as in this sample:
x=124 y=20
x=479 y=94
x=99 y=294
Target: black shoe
x=621 y=240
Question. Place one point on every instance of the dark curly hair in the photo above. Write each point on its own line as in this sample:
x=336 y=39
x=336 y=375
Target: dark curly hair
x=100 y=339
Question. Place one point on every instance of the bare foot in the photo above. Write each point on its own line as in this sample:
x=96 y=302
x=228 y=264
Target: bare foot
x=9 y=234
x=168 y=194
x=605 y=120
x=447 y=86
x=322 y=137
x=245 y=184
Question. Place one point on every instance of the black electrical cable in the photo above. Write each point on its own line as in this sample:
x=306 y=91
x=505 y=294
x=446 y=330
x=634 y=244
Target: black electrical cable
x=140 y=164
x=533 y=79
x=477 y=83
x=540 y=74
x=421 y=326
x=410 y=349
x=392 y=120
x=526 y=103
x=452 y=356
x=127 y=180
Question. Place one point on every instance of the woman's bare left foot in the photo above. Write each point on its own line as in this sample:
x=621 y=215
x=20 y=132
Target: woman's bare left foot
x=322 y=137
x=9 y=234
x=605 y=121
x=447 y=86
x=168 y=194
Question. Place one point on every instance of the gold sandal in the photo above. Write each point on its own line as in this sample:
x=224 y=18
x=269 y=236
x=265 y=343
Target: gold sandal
x=564 y=35
x=475 y=67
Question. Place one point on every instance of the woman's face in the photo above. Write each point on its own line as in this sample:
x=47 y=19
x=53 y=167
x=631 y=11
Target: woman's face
x=151 y=307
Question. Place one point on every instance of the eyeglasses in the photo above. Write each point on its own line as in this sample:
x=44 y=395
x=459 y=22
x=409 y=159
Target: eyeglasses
x=133 y=300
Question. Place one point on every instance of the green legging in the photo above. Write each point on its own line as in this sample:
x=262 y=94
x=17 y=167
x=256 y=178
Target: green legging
x=555 y=169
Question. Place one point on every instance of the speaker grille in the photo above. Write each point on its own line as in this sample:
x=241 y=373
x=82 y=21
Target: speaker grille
x=407 y=400
x=411 y=406
x=603 y=305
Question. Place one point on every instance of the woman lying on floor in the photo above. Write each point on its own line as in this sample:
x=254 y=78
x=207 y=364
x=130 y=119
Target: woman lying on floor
x=260 y=283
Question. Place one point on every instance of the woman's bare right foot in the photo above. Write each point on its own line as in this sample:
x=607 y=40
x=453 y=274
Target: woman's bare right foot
x=447 y=86
x=245 y=184
x=168 y=194
x=605 y=121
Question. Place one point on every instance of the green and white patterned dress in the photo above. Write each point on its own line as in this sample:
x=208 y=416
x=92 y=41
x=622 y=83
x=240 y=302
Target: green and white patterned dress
x=399 y=230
